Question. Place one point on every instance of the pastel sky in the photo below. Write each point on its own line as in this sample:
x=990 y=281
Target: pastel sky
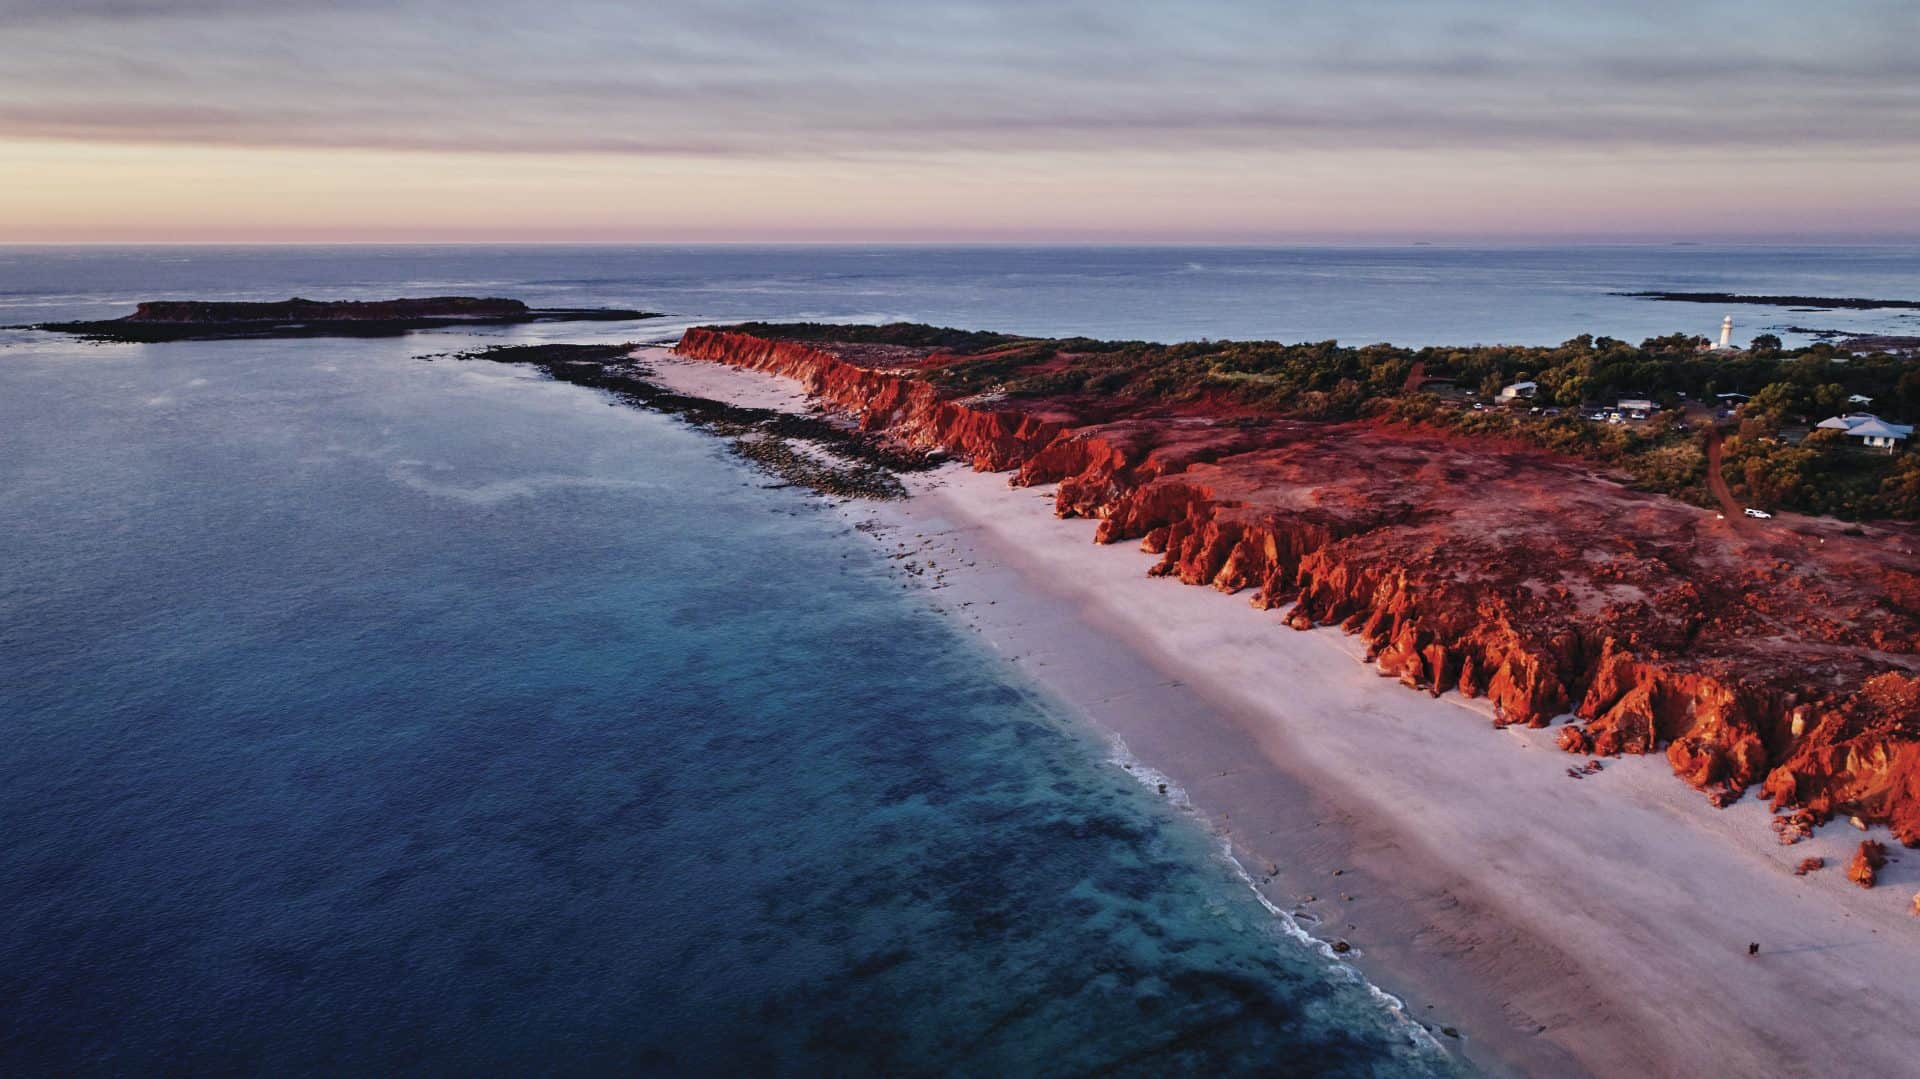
x=1112 y=120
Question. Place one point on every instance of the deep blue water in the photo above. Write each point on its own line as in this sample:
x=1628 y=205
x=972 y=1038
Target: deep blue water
x=365 y=713
x=1427 y=295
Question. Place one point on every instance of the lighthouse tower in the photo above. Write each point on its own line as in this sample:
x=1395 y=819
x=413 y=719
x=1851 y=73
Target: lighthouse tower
x=1726 y=334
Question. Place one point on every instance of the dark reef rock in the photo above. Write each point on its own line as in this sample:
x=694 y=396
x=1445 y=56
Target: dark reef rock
x=1823 y=303
x=854 y=465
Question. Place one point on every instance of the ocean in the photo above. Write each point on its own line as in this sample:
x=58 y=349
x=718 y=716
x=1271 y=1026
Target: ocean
x=370 y=711
x=1421 y=295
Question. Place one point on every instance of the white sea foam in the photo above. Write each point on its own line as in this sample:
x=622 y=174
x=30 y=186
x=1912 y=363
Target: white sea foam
x=1155 y=780
x=496 y=492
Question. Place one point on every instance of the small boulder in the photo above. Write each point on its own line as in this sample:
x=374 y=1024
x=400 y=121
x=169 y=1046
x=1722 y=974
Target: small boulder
x=1865 y=866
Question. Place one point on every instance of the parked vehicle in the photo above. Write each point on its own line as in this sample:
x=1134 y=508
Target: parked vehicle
x=1762 y=514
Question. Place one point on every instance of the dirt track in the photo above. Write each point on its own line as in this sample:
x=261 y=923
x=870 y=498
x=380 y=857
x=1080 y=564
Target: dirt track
x=1717 y=483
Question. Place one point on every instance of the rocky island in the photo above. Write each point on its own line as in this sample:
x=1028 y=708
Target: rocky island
x=204 y=320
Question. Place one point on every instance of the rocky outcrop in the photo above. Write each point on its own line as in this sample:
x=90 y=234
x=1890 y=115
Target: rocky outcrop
x=888 y=398
x=1783 y=657
x=298 y=309
x=1865 y=868
x=209 y=320
x=1856 y=756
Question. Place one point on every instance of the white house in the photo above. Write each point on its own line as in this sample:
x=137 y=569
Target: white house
x=1518 y=390
x=1637 y=407
x=1871 y=430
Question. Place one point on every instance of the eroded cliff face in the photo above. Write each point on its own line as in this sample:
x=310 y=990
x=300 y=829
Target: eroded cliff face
x=876 y=384
x=1775 y=655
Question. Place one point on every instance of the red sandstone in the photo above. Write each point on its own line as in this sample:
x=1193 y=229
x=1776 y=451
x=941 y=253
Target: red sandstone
x=1782 y=656
x=1865 y=868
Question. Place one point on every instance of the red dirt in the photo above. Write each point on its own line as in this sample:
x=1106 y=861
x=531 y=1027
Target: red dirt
x=1734 y=513
x=1783 y=655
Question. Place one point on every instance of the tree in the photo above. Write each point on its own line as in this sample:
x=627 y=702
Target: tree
x=1765 y=344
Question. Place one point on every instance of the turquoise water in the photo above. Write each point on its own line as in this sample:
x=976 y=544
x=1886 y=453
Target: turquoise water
x=366 y=713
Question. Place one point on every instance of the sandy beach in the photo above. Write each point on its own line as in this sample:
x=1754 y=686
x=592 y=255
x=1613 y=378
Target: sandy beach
x=1560 y=925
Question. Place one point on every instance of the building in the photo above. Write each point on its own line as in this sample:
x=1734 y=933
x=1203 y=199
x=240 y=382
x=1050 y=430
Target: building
x=1726 y=335
x=1860 y=399
x=1637 y=408
x=1518 y=391
x=1872 y=431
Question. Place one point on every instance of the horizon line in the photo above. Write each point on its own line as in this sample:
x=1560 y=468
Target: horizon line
x=1834 y=240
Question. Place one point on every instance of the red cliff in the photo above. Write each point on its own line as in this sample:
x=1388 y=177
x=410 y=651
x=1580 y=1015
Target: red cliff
x=1783 y=657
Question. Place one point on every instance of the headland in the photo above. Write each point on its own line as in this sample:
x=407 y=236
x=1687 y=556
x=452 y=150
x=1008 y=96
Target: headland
x=1545 y=913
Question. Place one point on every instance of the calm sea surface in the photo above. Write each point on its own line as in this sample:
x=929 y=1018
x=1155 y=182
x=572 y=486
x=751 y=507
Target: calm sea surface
x=1426 y=295
x=365 y=713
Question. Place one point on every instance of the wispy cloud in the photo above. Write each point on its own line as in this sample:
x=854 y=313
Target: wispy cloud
x=763 y=77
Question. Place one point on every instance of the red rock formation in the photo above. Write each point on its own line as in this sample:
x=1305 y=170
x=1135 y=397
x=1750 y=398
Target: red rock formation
x=1865 y=867
x=1783 y=656
x=884 y=396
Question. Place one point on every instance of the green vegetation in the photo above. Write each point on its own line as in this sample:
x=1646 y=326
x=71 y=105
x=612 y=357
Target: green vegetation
x=1790 y=391
x=913 y=334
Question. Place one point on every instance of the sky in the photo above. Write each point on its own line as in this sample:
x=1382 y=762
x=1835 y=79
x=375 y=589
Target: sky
x=973 y=120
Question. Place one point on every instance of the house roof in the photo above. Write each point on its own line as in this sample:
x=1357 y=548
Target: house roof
x=1865 y=424
x=1880 y=429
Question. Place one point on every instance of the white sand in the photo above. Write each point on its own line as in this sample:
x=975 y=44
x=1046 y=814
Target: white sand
x=1615 y=909
x=1479 y=881
x=719 y=382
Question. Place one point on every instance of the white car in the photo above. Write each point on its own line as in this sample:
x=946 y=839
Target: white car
x=1762 y=514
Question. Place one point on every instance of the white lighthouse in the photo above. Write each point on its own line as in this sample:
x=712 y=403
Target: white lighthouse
x=1726 y=334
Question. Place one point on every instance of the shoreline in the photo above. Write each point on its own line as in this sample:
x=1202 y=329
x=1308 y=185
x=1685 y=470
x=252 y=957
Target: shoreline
x=1563 y=925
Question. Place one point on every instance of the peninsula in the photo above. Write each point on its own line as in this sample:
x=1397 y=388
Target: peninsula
x=1455 y=522
x=1509 y=562
x=203 y=320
